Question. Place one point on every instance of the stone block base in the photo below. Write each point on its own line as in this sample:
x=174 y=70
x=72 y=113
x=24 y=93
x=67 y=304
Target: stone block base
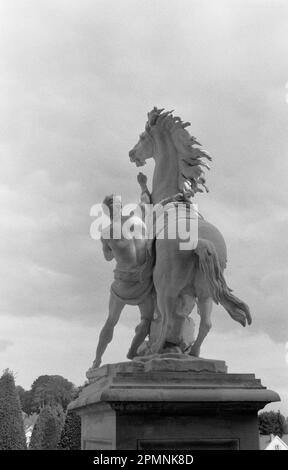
x=172 y=402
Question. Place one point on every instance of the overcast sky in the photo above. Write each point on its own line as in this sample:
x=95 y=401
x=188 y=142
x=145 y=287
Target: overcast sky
x=77 y=80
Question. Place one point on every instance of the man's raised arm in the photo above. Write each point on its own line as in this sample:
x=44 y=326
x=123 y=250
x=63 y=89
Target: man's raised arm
x=108 y=253
x=145 y=197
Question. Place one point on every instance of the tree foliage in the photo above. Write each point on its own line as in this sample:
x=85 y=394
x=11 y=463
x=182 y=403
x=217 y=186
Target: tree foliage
x=47 y=430
x=71 y=433
x=12 y=435
x=51 y=390
x=25 y=399
x=285 y=431
x=271 y=422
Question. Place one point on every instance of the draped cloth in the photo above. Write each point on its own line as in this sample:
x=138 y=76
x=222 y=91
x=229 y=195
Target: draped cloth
x=134 y=285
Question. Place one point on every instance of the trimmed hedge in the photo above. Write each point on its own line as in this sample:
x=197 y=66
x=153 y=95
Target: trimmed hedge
x=47 y=430
x=71 y=433
x=12 y=435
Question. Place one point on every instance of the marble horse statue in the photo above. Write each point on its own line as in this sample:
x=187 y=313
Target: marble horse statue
x=181 y=276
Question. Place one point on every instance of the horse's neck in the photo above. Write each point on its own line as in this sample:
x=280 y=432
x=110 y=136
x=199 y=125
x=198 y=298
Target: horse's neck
x=165 y=177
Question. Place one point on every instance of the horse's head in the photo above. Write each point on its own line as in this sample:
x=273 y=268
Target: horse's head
x=166 y=137
x=146 y=145
x=143 y=150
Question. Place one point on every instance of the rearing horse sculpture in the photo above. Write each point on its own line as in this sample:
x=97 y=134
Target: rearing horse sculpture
x=197 y=273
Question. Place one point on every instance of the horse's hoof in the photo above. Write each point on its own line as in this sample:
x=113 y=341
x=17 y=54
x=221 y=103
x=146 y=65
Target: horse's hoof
x=130 y=355
x=195 y=352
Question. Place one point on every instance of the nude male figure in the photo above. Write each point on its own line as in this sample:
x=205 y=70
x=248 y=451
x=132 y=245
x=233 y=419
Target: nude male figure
x=133 y=281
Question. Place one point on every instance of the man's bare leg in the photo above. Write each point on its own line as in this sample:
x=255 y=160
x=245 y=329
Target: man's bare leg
x=106 y=335
x=143 y=329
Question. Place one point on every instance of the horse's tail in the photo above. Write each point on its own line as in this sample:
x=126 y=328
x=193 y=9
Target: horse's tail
x=209 y=265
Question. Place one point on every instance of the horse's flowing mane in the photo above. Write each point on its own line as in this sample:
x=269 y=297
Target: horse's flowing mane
x=191 y=159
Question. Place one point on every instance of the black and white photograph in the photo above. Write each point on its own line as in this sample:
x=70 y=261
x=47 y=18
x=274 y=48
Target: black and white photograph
x=143 y=229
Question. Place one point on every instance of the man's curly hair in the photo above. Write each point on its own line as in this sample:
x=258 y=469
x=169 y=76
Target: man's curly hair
x=108 y=202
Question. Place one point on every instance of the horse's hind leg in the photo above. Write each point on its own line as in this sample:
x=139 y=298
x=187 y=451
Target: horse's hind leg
x=171 y=274
x=143 y=329
x=166 y=307
x=205 y=305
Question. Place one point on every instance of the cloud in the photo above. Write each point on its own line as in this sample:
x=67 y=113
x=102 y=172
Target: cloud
x=58 y=346
x=255 y=353
x=76 y=83
x=50 y=345
x=4 y=344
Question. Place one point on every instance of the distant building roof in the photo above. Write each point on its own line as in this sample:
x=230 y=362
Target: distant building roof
x=28 y=434
x=271 y=442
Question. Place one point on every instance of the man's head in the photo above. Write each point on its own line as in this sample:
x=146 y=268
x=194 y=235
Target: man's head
x=114 y=205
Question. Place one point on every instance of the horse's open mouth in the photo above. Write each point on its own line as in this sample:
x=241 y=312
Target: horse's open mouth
x=132 y=156
x=134 y=159
x=139 y=162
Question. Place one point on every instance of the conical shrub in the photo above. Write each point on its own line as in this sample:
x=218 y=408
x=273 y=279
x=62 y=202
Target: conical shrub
x=12 y=435
x=71 y=433
x=47 y=430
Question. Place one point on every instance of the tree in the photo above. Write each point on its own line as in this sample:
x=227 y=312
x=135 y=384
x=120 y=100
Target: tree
x=71 y=434
x=285 y=430
x=51 y=390
x=271 y=422
x=12 y=435
x=47 y=430
x=25 y=399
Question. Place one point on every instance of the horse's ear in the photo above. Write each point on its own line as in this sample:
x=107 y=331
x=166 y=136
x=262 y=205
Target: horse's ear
x=152 y=116
x=195 y=141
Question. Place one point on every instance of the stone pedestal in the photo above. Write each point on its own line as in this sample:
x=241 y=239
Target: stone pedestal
x=172 y=402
